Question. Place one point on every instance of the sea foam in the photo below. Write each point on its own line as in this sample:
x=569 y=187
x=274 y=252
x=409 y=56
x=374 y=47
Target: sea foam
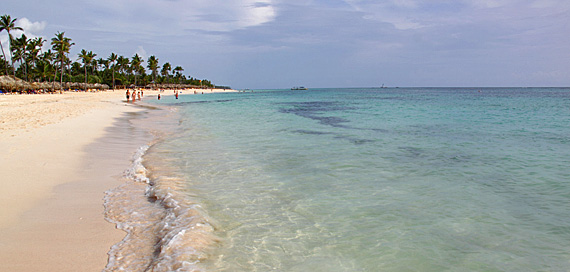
x=166 y=231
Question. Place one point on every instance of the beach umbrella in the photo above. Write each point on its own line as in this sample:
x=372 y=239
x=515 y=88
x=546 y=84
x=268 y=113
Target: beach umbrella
x=56 y=86
x=13 y=83
x=7 y=83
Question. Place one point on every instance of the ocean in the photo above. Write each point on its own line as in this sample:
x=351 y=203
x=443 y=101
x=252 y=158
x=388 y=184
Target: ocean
x=385 y=179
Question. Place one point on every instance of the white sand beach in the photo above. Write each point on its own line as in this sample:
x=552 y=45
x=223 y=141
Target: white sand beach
x=54 y=179
x=52 y=208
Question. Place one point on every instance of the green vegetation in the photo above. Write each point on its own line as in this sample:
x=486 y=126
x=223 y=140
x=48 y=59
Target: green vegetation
x=29 y=62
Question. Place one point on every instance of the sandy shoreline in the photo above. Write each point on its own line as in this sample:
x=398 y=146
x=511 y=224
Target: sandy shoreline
x=57 y=161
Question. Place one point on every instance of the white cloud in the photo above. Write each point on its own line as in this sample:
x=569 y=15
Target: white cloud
x=173 y=17
x=31 y=28
x=220 y=15
x=256 y=13
x=400 y=23
x=141 y=52
x=402 y=14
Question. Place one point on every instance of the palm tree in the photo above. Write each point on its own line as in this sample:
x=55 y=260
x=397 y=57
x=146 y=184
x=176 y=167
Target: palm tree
x=20 y=52
x=3 y=64
x=166 y=71
x=46 y=60
x=7 y=24
x=136 y=65
x=123 y=64
x=43 y=69
x=76 y=69
x=34 y=48
x=67 y=65
x=112 y=60
x=61 y=45
x=178 y=70
x=101 y=63
x=153 y=66
x=47 y=66
x=86 y=58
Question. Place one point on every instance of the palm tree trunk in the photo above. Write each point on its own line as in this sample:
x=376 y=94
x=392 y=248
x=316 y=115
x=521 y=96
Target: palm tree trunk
x=12 y=56
x=61 y=72
x=4 y=54
x=113 y=78
x=54 y=75
x=26 y=69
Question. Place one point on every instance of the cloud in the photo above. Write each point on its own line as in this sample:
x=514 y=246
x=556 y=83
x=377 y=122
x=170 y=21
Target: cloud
x=223 y=16
x=487 y=39
x=176 y=16
x=141 y=52
x=31 y=28
x=491 y=3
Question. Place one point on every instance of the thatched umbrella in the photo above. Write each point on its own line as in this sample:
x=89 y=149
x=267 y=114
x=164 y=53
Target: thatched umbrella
x=12 y=83
x=7 y=83
x=56 y=86
x=23 y=85
x=100 y=86
x=36 y=85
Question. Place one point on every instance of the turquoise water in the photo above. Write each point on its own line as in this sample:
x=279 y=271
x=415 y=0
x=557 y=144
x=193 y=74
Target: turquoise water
x=423 y=179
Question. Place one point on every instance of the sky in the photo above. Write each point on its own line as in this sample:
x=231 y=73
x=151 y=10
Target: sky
x=259 y=44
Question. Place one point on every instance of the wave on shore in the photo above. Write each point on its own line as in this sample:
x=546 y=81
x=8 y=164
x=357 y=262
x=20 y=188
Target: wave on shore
x=166 y=231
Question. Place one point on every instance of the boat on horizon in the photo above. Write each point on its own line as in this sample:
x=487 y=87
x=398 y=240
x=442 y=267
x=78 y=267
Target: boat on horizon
x=299 y=88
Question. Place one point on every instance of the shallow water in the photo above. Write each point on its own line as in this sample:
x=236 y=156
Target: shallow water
x=423 y=179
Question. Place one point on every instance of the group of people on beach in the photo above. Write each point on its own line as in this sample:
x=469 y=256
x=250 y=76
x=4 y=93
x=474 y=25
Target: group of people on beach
x=134 y=94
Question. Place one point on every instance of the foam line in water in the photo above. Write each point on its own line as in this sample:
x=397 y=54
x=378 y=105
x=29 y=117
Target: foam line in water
x=166 y=231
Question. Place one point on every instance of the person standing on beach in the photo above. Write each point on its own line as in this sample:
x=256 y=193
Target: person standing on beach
x=127 y=95
x=139 y=93
x=158 y=96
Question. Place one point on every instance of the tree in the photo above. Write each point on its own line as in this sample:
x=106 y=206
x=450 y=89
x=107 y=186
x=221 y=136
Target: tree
x=153 y=66
x=7 y=24
x=61 y=45
x=34 y=49
x=20 y=52
x=112 y=59
x=46 y=67
x=3 y=64
x=76 y=70
x=103 y=64
x=166 y=71
x=178 y=70
x=87 y=58
x=136 y=66
x=122 y=66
